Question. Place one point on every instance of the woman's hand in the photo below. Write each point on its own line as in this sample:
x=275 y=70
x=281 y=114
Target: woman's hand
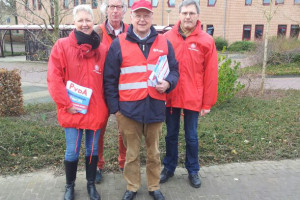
x=72 y=110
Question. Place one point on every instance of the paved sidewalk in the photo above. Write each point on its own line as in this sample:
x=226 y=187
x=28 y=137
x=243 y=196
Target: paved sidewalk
x=260 y=180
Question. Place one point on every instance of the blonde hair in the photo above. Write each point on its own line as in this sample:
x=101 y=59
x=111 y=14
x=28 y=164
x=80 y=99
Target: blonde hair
x=83 y=7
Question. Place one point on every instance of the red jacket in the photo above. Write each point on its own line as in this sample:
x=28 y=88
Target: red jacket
x=69 y=61
x=135 y=70
x=107 y=40
x=197 y=86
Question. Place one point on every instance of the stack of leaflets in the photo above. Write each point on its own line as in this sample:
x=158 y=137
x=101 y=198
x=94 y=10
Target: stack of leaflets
x=161 y=70
x=80 y=96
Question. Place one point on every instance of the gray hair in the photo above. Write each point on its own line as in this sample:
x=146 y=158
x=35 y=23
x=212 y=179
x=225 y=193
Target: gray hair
x=189 y=2
x=83 y=7
x=104 y=6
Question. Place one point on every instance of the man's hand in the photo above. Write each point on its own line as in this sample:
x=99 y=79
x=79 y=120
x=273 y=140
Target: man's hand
x=162 y=86
x=204 y=112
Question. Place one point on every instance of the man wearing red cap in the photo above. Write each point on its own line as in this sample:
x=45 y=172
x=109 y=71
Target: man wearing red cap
x=138 y=104
x=196 y=91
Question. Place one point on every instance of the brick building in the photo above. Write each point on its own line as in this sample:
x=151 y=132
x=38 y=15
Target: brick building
x=233 y=20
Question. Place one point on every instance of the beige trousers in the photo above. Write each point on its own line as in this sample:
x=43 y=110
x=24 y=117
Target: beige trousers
x=132 y=132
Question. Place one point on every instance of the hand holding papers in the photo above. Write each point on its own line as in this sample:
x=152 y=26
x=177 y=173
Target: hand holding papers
x=80 y=96
x=161 y=70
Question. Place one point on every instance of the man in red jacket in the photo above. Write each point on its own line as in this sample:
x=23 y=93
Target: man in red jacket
x=114 y=11
x=195 y=92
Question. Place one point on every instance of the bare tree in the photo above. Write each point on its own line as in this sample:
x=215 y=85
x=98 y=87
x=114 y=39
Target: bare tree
x=49 y=18
x=268 y=14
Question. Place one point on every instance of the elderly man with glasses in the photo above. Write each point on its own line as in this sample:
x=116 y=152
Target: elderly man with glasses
x=196 y=91
x=114 y=11
x=139 y=105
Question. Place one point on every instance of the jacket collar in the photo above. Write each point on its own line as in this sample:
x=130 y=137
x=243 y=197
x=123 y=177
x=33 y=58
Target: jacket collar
x=133 y=38
x=195 y=32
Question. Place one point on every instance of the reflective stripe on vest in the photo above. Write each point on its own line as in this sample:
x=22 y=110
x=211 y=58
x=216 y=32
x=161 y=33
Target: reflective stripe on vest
x=132 y=86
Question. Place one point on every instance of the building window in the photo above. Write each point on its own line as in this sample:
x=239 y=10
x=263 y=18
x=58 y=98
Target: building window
x=40 y=4
x=210 y=29
x=83 y=1
x=33 y=4
x=76 y=3
x=171 y=3
x=295 y=31
x=266 y=2
x=26 y=5
x=247 y=32
x=259 y=31
x=296 y=1
x=211 y=2
x=248 y=2
x=279 y=2
x=154 y=3
x=281 y=31
x=130 y=2
x=94 y=4
x=66 y=3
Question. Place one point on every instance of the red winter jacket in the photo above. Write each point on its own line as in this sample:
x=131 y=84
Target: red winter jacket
x=107 y=40
x=83 y=66
x=197 y=86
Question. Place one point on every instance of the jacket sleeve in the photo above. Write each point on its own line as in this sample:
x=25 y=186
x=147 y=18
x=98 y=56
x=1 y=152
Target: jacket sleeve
x=111 y=76
x=173 y=76
x=210 y=77
x=56 y=78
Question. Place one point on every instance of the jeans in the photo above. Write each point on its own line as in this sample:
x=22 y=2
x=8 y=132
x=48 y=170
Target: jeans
x=73 y=143
x=191 y=138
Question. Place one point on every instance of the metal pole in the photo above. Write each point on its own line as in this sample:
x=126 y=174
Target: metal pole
x=11 y=45
x=225 y=16
x=162 y=12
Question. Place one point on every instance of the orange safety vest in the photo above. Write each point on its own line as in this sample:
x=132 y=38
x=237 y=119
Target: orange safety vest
x=106 y=38
x=136 y=69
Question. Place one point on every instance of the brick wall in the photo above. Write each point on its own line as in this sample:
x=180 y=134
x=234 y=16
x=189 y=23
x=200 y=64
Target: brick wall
x=229 y=25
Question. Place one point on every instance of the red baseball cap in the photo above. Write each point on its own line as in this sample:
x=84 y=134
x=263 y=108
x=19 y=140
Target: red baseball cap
x=141 y=4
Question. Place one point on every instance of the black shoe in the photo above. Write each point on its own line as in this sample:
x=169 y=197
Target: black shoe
x=128 y=195
x=91 y=188
x=194 y=180
x=157 y=195
x=99 y=176
x=165 y=175
x=70 y=169
x=91 y=169
x=69 y=193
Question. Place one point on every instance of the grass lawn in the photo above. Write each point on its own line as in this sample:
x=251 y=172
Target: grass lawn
x=273 y=70
x=247 y=128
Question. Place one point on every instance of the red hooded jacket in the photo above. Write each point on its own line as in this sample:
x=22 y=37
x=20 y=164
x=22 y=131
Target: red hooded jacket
x=83 y=66
x=197 y=86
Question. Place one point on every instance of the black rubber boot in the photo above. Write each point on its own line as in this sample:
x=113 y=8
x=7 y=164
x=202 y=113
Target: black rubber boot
x=91 y=169
x=71 y=170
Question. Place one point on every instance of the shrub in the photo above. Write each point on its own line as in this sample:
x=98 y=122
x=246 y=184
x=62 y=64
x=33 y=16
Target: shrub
x=280 y=51
x=228 y=84
x=11 y=99
x=241 y=46
x=220 y=43
x=296 y=58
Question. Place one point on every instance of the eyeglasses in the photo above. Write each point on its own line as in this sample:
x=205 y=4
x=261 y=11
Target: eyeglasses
x=139 y=17
x=112 y=7
x=191 y=14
